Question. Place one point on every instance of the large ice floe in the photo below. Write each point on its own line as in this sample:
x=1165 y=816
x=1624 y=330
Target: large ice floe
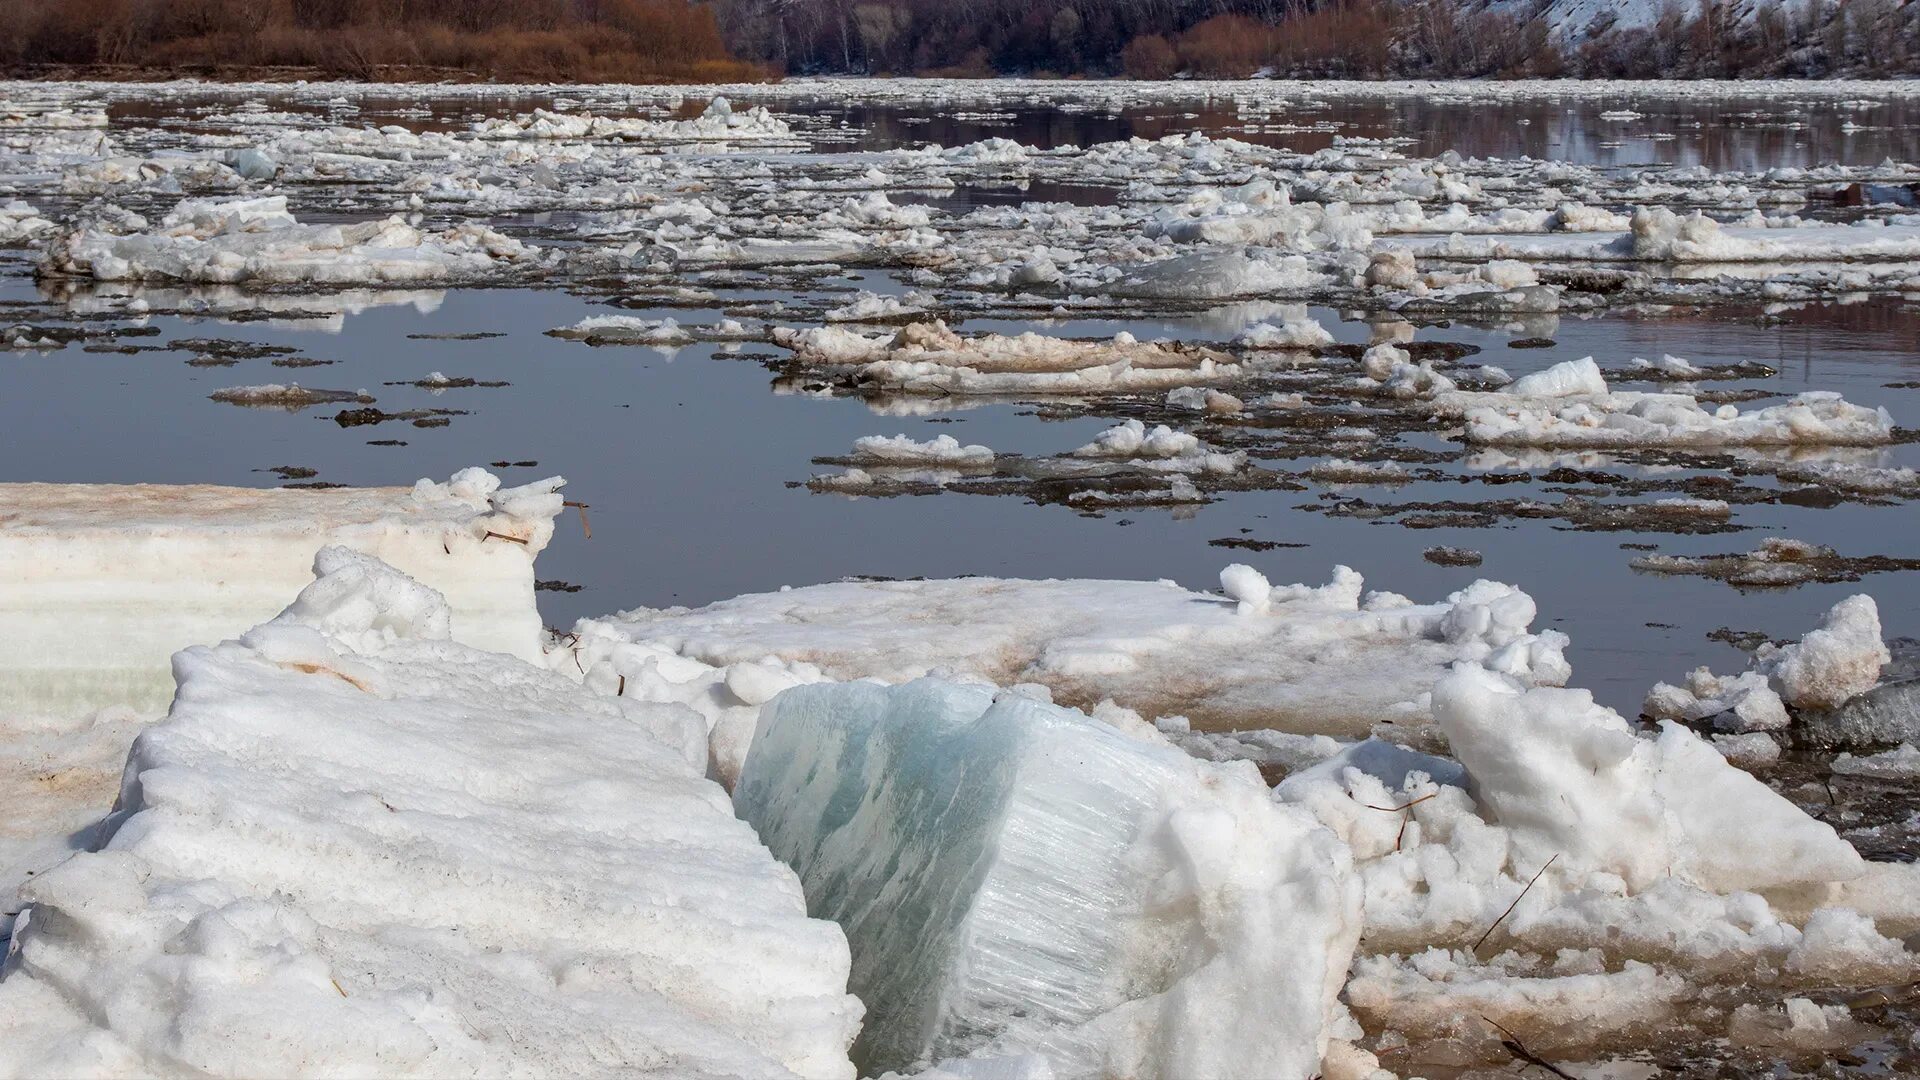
x=355 y=847
x=100 y=584
x=1329 y=659
x=1016 y=878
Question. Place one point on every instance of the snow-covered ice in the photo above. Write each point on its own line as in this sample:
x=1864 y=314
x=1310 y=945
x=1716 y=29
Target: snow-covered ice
x=356 y=847
x=1330 y=659
x=101 y=584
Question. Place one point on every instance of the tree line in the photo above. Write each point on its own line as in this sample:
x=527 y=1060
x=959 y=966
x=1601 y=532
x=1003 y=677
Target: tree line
x=534 y=40
x=715 y=40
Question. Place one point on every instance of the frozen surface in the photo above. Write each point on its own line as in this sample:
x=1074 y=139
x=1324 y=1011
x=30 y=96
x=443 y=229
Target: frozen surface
x=355 y=847
x=1015 y=877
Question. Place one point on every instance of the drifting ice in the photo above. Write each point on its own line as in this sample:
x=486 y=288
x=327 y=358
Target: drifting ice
x=256 y=241
x=1014 y=878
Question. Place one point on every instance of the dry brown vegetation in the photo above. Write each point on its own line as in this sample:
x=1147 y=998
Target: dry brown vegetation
x=536 y=40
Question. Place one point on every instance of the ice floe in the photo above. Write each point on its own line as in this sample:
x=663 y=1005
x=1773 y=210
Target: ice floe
x=257 y=241
x=100 y=585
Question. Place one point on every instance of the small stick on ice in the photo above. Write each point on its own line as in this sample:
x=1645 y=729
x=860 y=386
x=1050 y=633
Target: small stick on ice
x=585 y=526
x=1409 y=817
x=1512 y=1042
x=491 y=535
x=1509 y=911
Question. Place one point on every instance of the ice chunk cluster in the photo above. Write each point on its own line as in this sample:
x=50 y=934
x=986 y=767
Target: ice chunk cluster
x=1016 y=878
x=1569 y=405
x=256 y=241
x=1569 y=778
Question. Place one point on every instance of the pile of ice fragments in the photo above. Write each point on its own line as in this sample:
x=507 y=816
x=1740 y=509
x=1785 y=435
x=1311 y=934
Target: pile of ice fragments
x=355 y=845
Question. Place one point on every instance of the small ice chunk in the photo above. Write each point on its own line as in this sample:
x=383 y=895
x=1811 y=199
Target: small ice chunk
x=1571 y=780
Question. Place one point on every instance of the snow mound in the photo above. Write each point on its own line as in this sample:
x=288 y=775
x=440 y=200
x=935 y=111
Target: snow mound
x=355 y=847
x=1099 y=898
